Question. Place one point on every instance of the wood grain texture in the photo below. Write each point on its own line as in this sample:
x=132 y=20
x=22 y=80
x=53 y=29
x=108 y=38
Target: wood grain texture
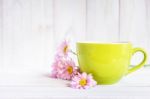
x=134 y=24
x=148 y=28
x=32 y=84
x=1 y=34
x=30 y=30
x=41 y=32
x=69 y=20
x=8 y=33
x=102 y=20
x=27 y=33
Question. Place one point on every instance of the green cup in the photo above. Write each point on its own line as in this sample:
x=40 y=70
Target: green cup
x=107 y=62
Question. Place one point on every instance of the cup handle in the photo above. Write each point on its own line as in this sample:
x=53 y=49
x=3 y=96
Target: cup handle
x=142 y=63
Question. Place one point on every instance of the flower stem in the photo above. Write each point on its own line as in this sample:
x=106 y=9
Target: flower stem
x=73 y=52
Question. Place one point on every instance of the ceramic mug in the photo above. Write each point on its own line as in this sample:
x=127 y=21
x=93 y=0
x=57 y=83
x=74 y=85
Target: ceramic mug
x=107 y=62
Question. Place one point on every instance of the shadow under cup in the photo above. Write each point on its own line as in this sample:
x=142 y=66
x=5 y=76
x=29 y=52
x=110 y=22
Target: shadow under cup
x=107 y=62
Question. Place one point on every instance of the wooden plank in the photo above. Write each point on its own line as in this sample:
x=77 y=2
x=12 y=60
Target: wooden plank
x=26 y=51
x=69 y=20
x=42 y=87
x=8 y=38
x=30 y=30
x=134 y=25
x=40 y=31
x=47 y=39
x=17 y=33
x=1 y=34
x=27 y=33
x=148 y=28
x=30 y=84
x=38 y=42
x=16 y=28
x=34 y=47
x=102 y=20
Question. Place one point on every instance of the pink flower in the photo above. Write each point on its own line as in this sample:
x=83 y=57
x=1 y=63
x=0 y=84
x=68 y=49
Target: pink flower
x=69 y=69
x=57 y=67
x=82 y=81
x=63 y=49
x=63 y=68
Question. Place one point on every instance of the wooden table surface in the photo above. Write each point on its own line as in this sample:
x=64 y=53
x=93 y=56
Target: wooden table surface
x=37 y=85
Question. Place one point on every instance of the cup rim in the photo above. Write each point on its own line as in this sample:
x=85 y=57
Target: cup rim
x=93 y=42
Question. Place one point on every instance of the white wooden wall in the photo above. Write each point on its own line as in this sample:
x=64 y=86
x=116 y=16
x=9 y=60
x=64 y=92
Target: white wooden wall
x=31 y=29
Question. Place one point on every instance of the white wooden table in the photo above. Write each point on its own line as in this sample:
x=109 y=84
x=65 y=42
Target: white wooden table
x=37 y=85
